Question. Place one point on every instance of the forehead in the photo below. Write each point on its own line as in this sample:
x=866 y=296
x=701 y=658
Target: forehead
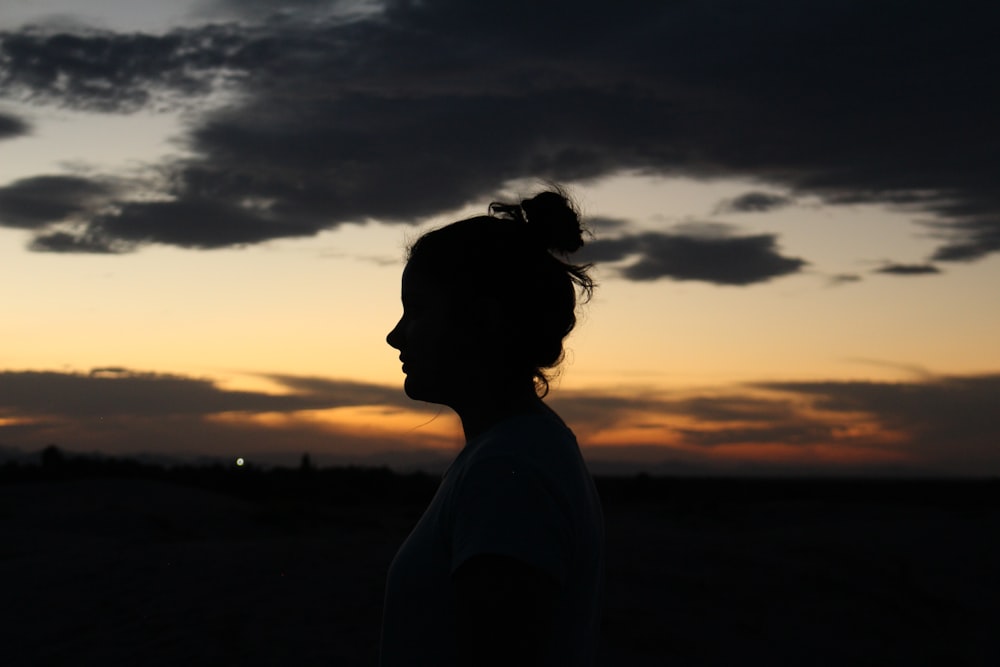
x=420 y=287
x=416 y=284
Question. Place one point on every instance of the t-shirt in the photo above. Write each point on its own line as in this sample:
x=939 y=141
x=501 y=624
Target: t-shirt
x=522 y=490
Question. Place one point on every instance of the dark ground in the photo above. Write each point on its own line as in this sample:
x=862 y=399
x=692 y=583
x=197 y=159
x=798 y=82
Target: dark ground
x=138 y=566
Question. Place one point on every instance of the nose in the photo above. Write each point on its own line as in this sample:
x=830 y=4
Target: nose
x=395 y=337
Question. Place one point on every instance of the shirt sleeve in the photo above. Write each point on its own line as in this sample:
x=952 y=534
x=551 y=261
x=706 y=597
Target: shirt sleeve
x=503 y=507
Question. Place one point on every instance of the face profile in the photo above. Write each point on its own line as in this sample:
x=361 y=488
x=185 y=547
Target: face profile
x=433 y=341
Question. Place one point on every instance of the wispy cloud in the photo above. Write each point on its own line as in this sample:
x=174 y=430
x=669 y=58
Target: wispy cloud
x=753 y=202
x=844 y=279
x=908 y=269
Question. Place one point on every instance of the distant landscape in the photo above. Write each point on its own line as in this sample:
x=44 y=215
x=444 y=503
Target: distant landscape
x=118 y=561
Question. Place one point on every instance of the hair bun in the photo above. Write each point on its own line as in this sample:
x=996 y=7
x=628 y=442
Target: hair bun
x=554 y=222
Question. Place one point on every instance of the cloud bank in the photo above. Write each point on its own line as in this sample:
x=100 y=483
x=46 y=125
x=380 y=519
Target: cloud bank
x=420 y=108
x=934 y=425
x=946 y=421
x=126 y=412
x=108 y=392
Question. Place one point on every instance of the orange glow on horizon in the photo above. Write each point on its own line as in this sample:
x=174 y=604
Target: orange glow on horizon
x=364 y=422
x=783 y=453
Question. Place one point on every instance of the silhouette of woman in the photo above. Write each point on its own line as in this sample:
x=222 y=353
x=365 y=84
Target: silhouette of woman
x=506 y=565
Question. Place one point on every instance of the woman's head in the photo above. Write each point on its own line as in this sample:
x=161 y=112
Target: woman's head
x=488 y=298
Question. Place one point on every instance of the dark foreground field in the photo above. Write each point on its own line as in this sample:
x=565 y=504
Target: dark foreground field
x=241 y=568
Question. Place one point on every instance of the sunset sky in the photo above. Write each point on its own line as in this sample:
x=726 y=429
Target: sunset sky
x=204 y=207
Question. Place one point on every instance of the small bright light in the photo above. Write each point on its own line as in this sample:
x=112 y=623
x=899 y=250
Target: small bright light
x=239 y=461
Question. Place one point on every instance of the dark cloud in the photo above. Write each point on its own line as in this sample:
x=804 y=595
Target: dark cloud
x=722 y=260
x=946 y=422
x=33 y=203
x=77 y=243
x=974 y=235
x=908 y=269
x=753 y=202
x=590 y=411
x=425 y=107
x=193 y=223
x=105 y=394
x=119 y=391
x=733 y=408
x=287 y=10
x=111 y=72
x=12 y=126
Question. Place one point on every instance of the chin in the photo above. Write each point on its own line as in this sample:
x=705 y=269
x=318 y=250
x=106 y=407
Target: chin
x=429 y=392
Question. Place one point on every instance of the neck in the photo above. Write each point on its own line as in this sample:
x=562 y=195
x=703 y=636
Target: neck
x=480 y=411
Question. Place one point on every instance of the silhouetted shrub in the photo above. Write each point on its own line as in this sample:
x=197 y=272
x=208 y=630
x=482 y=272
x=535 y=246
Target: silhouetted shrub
x=53 y=461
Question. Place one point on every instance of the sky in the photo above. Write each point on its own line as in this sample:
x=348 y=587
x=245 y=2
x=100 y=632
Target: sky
x=205 y=205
